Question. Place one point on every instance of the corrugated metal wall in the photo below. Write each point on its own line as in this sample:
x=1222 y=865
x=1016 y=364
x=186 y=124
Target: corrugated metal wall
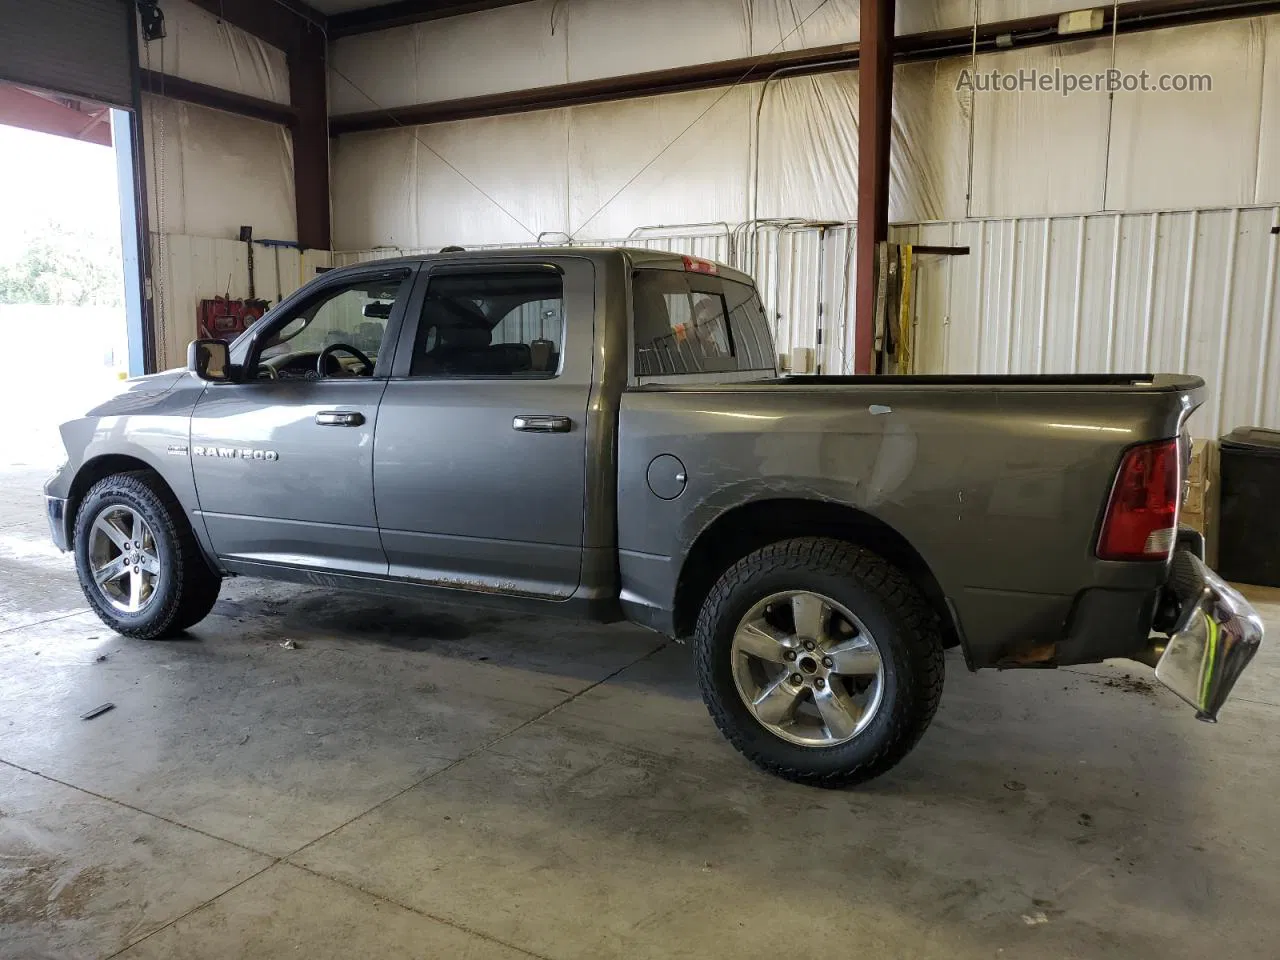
x=1191 y=291
x=1183 y=291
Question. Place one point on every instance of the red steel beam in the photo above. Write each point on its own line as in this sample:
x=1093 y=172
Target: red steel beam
x=204 y=95
x=875 y=110
x=700 y=76
x=21 y=108
x=308 y=92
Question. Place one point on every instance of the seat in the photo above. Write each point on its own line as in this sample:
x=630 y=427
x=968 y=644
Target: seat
x=454 y=339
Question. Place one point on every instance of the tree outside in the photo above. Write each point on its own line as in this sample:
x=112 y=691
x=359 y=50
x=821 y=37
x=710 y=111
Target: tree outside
x=59 y=266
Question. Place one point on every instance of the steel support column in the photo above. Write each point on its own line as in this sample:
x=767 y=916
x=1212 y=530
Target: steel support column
x=308 y=93
x=875 y=107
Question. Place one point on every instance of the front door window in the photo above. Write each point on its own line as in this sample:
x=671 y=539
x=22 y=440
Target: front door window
x=338 y=334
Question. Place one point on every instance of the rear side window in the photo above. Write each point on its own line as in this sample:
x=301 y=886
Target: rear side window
x=696 y=323
x=502 y=322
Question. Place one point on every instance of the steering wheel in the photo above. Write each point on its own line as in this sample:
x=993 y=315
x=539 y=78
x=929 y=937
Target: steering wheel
x=322 y=361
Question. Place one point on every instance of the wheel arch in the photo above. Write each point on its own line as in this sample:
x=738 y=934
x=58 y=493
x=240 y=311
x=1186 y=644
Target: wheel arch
x=101 y=467
x=748 y=527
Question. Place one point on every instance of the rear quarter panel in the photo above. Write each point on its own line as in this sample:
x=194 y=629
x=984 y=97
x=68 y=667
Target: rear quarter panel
x=999 y=491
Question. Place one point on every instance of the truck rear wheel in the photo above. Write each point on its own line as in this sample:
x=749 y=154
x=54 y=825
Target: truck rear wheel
x=138 y=561
x=819 y=661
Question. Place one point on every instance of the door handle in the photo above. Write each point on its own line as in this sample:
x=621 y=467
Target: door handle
x=540 y=424
x=339 y=418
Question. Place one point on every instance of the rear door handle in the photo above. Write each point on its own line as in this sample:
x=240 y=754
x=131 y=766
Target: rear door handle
x=540 y=424
x=339 y=418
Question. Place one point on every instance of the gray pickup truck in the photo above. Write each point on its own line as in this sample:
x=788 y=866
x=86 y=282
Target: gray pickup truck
x=604 y=434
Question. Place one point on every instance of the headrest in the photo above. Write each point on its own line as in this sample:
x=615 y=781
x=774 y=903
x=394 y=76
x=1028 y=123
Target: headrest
x=511 y=357
x=540 y=352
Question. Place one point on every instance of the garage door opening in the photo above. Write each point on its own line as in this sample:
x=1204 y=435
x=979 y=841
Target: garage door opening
x=62 y=292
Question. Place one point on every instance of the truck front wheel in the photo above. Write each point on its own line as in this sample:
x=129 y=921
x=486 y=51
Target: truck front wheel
x=138 y=561
x=819 y=661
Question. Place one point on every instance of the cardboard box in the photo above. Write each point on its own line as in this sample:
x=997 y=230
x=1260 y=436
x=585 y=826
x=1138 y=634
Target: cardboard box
x=1200 y=505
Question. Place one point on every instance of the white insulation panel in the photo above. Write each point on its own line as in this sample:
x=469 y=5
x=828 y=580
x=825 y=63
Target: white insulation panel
x=202 y=47
x=548 y=42
x=788 y=148
x=209 y=172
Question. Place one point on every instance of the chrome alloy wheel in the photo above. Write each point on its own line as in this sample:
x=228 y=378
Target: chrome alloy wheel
x=807 y=669
x=123 y=558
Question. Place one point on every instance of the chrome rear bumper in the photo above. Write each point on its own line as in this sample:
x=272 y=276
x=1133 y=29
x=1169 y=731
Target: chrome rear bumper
x=1216 y=636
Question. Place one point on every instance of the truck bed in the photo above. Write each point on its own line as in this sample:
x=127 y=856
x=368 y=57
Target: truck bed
x=1165 y=383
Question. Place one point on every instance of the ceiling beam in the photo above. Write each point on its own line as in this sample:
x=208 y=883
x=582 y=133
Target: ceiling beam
x=697 y=77
x=1135 y=16
x=22 y=108
x=402 y=13
x=203 y=95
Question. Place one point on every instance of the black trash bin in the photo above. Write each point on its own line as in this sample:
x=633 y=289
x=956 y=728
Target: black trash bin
x=1249 y=525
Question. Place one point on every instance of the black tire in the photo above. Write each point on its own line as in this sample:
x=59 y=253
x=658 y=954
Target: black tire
x=186 y=588
x=902 y=622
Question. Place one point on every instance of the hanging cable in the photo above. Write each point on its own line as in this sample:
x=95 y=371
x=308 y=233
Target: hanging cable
x=695 y=120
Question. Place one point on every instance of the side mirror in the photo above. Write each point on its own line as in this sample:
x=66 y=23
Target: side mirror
x=209 y=360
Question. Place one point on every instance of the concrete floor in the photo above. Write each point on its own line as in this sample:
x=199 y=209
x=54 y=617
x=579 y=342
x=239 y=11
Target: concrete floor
x=420 y=782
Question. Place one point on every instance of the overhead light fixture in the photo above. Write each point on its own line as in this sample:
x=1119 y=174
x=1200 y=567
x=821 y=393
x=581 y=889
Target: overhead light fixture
x=1082 y=21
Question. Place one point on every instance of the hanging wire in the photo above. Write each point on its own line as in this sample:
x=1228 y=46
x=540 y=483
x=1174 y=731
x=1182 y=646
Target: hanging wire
x=695 y=120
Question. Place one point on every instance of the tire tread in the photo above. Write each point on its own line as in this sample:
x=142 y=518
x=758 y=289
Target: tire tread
x=920 y=632
x=197 y=585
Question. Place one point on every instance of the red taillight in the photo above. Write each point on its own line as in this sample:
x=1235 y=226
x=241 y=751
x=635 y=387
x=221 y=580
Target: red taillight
x=1142 y=514
x=694 y=265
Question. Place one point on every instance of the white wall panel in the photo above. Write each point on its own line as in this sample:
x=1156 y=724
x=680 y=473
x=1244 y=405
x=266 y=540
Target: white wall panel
x=1179 y=291
x=518 y=160
x=615 y=37
x=189 y=269
x=547 y=42
x=210 y=172
x=201 y=47
x=929 y=160
x=918 y=17
x=1040 y=152
x=701 y=176
x=374 y=184
x=508 y=48
x=1189 y=149
x=1268 y=187
x=797 y=24
x=390 y=189
x=808 y=146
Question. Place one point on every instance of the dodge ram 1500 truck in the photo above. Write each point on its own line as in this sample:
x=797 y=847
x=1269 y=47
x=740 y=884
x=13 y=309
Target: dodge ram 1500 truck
x=605 y=434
